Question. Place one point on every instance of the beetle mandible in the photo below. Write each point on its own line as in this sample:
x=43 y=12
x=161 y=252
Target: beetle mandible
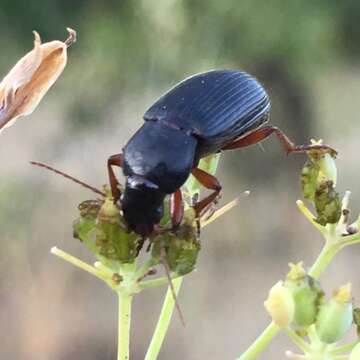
x=204 y=114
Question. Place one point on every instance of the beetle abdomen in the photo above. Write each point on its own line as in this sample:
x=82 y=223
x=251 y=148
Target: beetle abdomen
x=217 y=106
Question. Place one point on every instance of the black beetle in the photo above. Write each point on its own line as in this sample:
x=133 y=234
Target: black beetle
x=204 y=114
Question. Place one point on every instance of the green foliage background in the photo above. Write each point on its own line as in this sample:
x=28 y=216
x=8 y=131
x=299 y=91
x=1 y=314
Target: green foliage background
x=128 y=52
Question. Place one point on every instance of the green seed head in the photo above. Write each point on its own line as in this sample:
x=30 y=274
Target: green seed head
x=356 y=316
x=306 y=293
x=308 y=180
x=327 y=204
x=181 y=248
x=335 y=316
x=85 y=224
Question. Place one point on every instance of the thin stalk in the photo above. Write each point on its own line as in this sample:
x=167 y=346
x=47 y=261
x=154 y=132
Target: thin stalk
x=260 y=343
x=156 y=282
x=344 y=348
x=163 y=322
x=77 y=262
x=297 y=340
x=323 y=260
x=124 y=319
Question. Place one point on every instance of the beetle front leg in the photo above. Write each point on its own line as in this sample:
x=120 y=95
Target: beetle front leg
x=211 y=183
x=176 y=208
x=264 y=132
x=114 y=160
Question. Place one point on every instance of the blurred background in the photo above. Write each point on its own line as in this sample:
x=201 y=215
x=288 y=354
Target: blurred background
x=307 y=55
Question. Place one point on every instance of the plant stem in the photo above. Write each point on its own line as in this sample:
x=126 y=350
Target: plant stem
x=163 y=322
x=260 y=343
x=124 y=319
x=323 y=260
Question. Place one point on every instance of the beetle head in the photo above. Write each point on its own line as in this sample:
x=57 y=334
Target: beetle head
x=142 y=204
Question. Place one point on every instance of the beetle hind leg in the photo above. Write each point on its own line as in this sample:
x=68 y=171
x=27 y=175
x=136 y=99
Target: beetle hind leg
x=114 y=160
x=264 y=132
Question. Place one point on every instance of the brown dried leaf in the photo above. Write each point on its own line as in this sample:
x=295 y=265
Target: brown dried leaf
x=25 y=85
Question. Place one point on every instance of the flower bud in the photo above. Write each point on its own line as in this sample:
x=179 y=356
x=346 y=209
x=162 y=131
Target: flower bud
x=327 y=169
x=280 y=305
x=355 y=354
x=306 y=293
x=335 y=316
x=327 y=204
x=113 y=240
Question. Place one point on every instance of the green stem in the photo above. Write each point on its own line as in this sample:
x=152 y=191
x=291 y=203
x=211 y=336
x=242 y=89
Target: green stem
x=163 y=322
x=77 y=262
x=344 y=348
x=124 y=319
x=156 y=282
x=260 y=343
x=297 y=340
x=325 y=257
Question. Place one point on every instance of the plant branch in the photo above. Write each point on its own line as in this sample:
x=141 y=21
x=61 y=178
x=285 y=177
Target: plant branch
x=124 y=320
x=163 y=322
x=77 y=262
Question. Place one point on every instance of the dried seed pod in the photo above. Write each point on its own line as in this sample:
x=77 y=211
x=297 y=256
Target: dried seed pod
x=25 y=85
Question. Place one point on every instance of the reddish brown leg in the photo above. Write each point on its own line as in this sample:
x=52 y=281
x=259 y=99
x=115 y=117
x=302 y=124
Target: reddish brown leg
x=114 y=160
x=176 y=208
x=210 y=182
x=264 y=132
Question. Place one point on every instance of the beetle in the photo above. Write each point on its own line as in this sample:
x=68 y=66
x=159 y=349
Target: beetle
x=204 y=114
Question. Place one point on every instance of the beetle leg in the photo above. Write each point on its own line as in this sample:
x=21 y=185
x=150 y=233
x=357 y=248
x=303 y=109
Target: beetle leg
x=114 y=160
x=264 y=132
x=176 y=208
x=210 y=182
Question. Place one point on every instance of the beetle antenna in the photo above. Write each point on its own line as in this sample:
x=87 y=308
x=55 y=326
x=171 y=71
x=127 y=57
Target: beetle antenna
x=171 y=285
x=50 y=168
